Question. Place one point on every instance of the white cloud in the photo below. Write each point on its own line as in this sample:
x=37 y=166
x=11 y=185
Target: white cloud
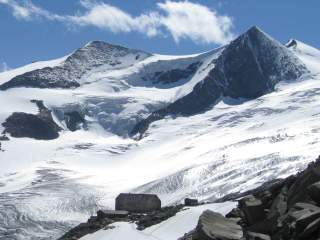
x=26 y=10
x=4 y=67
x=195 y=21
x=115 y=20
x=181 y=19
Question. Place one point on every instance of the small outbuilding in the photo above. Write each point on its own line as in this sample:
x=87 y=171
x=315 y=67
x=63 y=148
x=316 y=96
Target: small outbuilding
x=191 y=202
x=138 y=203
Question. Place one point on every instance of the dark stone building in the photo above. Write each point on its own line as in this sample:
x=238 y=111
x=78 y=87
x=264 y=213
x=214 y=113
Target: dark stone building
x=138 y=203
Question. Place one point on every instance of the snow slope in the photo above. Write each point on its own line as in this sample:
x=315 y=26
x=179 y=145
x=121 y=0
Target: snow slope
x=172 y=229
x=46 y=187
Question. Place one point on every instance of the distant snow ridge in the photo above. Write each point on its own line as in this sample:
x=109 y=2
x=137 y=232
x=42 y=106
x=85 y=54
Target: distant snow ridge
x=69 y=73
x=248 y=67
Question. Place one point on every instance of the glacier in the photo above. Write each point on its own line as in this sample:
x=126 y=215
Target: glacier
x=47 y=187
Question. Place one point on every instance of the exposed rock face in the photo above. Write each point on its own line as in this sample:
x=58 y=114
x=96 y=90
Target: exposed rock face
x=40 y=126
x=4 y=138
x=138 y=203
x=175 y=75
x=68 y=74
x=248 y=67
x=74 y=120
x=214 y=226
x=21 y=124
x=253 y=209
x=314 y=192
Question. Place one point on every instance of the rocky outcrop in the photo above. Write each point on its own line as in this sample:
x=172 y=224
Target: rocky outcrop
x=214 y=226
x=175 y=75
x=74 y=120
x=40 y=126
x=248 y=67
x=288 y=210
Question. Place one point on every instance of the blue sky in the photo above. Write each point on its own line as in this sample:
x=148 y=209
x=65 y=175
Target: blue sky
x=39 y=30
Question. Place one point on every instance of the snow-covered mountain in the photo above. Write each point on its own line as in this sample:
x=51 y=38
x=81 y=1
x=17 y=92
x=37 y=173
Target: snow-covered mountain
x=202 y=125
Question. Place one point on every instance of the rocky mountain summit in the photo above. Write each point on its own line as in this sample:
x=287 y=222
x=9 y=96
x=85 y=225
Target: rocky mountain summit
x=69 y=73
x=248 y=67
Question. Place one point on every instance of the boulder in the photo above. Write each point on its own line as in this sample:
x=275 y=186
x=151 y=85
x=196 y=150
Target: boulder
x=311 y=231
x=191 y=202
x=305 y=220
x=253 y=209
x=279 y=205
x=308 y=206
x=234 y=213
x=214 y=226
x=267 y=226
x=298 y=192
x=314 y=192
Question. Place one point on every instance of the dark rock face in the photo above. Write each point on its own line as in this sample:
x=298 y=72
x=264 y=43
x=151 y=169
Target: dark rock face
x=74 y=67
x=175 y=75
x=213 y=226
x=74 y=120
x=39 y=79
x=248 y=67
x=4 y=138
x=253 y=209
x=252 y=65
x=138 y=203
x=40 y=126
x=314 y=192
x=21 y=124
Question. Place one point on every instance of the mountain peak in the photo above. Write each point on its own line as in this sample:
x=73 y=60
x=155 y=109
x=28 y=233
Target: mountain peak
x=102 y=45
x=255 y=30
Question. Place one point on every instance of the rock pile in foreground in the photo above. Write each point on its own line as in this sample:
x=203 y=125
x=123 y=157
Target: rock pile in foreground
x=106 y=217
x=288 y=209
